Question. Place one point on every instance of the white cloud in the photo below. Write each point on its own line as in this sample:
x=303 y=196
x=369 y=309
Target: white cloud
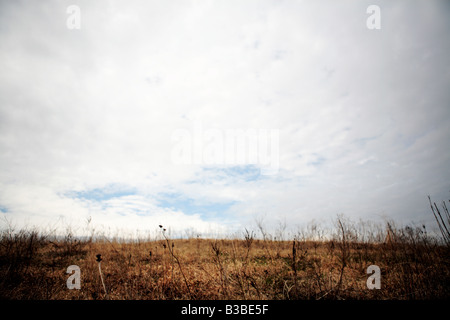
x=362 y=114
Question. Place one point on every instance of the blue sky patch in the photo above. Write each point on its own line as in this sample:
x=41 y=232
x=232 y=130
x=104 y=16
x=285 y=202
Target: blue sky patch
x=102 y=194
x=177 y=201
x=244 y=173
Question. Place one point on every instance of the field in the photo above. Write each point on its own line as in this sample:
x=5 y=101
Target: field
x=255 y=265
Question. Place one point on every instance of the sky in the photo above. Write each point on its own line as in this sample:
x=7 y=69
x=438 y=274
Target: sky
x=210 y=115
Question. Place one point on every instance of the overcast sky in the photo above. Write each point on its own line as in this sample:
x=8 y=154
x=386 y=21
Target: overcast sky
x=107 y=121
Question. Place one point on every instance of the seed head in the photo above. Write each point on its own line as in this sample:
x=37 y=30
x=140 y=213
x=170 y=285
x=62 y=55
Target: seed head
x=99 y=257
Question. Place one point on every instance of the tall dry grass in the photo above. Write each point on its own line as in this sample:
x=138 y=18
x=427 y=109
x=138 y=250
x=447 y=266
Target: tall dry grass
x=306 y=265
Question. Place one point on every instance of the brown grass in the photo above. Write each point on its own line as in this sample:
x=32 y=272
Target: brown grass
x=413 y=266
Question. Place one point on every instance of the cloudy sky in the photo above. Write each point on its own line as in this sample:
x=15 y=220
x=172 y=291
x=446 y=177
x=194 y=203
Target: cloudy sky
x=210 y=114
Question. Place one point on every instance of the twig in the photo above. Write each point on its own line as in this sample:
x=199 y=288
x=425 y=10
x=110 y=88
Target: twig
x=177 y=261
x=99 y=259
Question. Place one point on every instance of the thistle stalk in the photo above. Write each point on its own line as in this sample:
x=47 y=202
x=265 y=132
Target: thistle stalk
x=99 y=260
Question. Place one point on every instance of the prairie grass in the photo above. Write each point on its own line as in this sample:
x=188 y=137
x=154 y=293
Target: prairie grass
x=413 y=265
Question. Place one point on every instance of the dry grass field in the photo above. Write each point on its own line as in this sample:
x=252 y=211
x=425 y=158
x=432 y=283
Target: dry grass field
x=413 y=265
